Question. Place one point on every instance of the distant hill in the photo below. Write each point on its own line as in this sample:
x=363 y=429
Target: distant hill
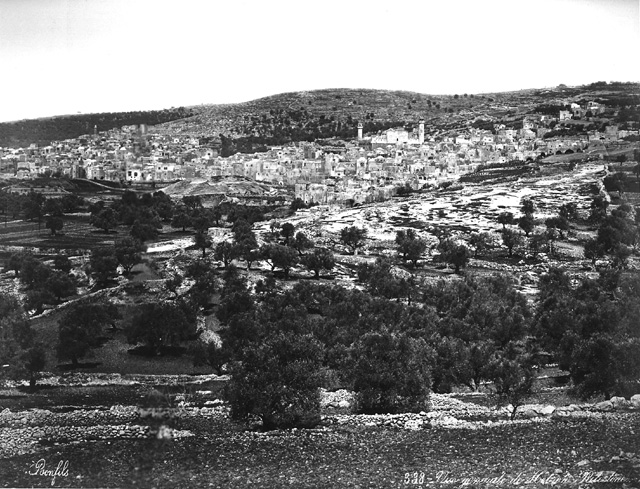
x=319 y=114
x=42 y=131
x=324 y=114
x=334 y=113
x=328 y=112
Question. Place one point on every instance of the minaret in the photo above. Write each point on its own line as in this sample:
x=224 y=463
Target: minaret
x=421 y=131
x=95 y=130
x=360 y=131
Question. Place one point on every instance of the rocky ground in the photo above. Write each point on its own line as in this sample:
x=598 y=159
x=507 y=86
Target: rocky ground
x=199 y=419
x=474 y=207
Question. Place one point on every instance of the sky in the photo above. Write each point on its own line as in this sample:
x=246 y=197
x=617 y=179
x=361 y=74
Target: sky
x=81 y=56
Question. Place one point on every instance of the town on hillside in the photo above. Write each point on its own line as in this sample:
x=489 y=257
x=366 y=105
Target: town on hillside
x=188 y=307
x=366 y=168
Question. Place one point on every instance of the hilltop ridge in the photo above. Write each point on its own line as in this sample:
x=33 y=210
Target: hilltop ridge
x=315 y=114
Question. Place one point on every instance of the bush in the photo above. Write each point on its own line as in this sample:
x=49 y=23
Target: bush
x=128 y=252
x=319 y=259
x=410 y=246
x=104 y=265
x=603 y=364
x=210 y=354
x=592 y=329
x=161 y=325
x=80 y=329
x=353 y=237
x=391 y=373
x=279 y=381
x=513 y=375
x=455 y=254
x=19 y=356
x=381 y=280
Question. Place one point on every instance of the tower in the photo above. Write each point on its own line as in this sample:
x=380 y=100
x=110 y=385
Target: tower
x=421 y=131
x=360 y=131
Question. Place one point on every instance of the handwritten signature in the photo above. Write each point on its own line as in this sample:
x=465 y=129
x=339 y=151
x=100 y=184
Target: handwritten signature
x=40 y=468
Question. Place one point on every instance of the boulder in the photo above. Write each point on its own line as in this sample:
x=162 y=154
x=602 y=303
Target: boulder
x=565 y=409
x=635 y=401
x=164 y=433
x=620 y=403
x=604 y=406
x=527 y=413
x=545 y=410
x=344 y=404
x=413 y=424
x=446 y=420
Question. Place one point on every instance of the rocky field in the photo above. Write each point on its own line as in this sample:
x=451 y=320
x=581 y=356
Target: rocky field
x=472 y=207
x=184 y=437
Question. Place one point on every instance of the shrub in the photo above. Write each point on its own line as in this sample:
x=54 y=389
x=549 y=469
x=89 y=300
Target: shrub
x=210 y=354
x=481 y=243
x=128 y=252
x=18 y=354
x=33 y=272
x=353 y=237
x=391 y=373
x=80 y=328
x=452 y=366
x=410 y=246
x=160 y=325
x=513 y=374
x=280 y=256
x=455 y=254
x=381 y=280
x=104 y=265
x=511 y=239
x=603 y=364
x=319 y=259
x=592 y=329
x=202 y=242
x=279 y=381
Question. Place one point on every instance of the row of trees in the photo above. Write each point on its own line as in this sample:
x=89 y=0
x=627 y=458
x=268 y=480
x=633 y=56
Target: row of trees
x=51 y=283
x=284 y=344
x=618 y=232
x=146 y=214
x=82 y=328
x=411 y=248
x=157 y=328
x=36 y=207
x=284 y=248
x=44 y=284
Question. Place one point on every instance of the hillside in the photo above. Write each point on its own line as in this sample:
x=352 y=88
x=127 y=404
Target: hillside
x=334 y=113
x=232 y=186
x=324 y=114
x=44 y=130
